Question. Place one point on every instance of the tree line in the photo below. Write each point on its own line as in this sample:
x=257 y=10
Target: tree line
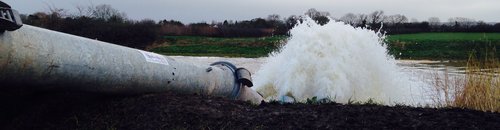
x=102 y=22
x=400 y=24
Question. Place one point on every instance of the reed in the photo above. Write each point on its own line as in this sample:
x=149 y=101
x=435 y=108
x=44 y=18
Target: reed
x=482 y=85
x=478 y=88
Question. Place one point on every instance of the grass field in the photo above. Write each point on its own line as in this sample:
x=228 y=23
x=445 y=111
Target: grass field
x=442 y=46
x=213 y=46
x=445 y=37
x=434 y=46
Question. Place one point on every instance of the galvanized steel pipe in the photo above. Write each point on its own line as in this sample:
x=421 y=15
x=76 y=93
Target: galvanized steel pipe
x=37 y=58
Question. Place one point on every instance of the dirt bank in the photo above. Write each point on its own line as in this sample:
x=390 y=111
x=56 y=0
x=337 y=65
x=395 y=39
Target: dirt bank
x=174 y=111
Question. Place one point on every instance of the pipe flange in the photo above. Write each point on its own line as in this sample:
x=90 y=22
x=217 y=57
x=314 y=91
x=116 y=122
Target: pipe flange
x=237 y=85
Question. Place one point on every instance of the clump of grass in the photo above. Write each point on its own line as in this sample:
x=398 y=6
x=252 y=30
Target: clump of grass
x=370 y=101
x=313 y=100
x=478 y=88
x=482 y=85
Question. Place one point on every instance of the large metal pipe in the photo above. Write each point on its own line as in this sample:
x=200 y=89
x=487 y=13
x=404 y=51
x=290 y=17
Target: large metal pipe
x=37 y=58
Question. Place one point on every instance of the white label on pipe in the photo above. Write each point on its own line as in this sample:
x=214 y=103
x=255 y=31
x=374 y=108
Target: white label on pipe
x=154 y=58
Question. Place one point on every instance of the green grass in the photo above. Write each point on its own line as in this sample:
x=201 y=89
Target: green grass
x=215 y=50
x=439 y=46
x=215 y=46
x=215 y=40
x=434 y=46
x=445 y=37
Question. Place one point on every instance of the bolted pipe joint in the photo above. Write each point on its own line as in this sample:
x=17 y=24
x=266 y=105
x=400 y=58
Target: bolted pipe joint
x=242 y=83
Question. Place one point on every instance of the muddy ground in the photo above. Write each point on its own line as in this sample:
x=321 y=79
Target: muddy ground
x=66 y=110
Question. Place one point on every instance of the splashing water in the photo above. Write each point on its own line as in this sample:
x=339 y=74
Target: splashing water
x=334 y=61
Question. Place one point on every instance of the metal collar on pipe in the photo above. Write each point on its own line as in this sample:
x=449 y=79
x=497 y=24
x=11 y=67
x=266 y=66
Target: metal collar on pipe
x=237 y=85
x=242 y=83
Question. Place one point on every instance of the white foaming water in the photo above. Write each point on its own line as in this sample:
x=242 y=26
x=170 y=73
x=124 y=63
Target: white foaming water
x=335 y=61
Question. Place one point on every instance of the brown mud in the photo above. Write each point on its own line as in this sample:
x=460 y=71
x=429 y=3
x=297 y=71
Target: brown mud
x=66 y=110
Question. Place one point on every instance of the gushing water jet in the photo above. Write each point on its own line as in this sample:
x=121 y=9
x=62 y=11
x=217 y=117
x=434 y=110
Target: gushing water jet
x=335 y=61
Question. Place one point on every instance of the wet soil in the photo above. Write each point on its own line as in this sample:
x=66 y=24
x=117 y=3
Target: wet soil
x=67 y=110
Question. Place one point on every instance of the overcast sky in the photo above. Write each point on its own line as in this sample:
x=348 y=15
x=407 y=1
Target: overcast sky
x=189 y=11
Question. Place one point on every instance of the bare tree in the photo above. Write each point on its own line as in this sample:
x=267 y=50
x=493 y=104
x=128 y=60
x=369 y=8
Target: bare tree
x=273 y=17
x=434 y=21
x=83 y=11
x=396 y=19
x=376 y=17
x=274 y=20
x=362 y=19
x=106 y=12
x=312 y=13
x=55 y=11
x=321 y=17
x=462 y=22
x=349 y=18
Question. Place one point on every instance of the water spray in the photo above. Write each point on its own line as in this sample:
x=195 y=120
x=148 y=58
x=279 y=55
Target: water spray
x=337 y=62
